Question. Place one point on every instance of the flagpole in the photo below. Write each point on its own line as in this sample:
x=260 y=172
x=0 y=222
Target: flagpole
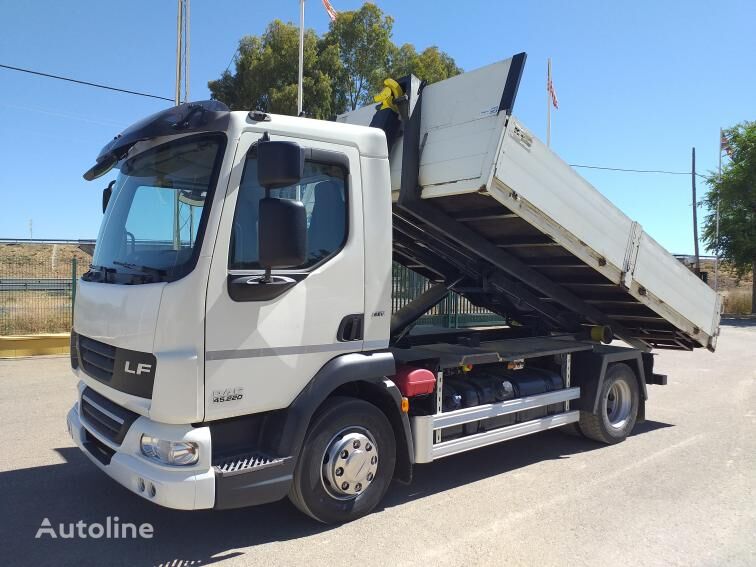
x=301 y=56
x=548 y=105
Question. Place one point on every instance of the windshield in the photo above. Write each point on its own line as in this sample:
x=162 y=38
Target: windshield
x=153 y=225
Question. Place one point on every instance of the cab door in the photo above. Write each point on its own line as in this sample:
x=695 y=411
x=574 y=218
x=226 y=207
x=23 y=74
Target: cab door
x=260 y=353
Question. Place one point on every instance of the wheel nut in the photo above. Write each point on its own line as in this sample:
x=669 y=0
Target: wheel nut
x=373 y=460
x=370 y=476
x=344 y=454
x=344 y=486
x=368 y=446
x=358 y=487
x=356 y=444
x=339 y=471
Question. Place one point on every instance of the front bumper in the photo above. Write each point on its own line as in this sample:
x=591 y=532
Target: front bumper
x=247 y=480
x=182 y=488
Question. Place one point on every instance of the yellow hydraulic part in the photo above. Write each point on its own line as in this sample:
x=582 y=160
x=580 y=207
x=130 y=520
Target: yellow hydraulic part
x=466 y=367
x=391 y=91
x=601 y=334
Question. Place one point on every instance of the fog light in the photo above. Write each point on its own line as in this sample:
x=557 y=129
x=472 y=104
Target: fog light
x=179 y=453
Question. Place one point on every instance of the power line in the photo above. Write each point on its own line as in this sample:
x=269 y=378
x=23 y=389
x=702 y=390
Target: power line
x=87 y=83
x=107 y=87
x=636 y=170
x=233 y=57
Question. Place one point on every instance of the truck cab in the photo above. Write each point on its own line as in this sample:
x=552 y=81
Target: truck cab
x=172 y=328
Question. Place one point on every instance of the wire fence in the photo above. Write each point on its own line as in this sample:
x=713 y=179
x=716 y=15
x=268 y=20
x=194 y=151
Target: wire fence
x=37 y=283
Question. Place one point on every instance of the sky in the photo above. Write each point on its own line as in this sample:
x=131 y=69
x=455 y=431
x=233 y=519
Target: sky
x=639 y=84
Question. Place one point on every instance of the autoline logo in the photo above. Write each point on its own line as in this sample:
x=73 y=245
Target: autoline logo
x=111 y=529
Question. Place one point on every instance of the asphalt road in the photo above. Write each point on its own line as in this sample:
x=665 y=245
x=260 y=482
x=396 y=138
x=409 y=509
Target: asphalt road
x=680 y=491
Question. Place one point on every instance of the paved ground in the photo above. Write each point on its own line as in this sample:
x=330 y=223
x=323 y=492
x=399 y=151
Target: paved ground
x=678 y=492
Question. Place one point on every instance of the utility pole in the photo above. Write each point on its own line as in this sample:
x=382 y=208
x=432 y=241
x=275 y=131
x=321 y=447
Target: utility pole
x=548 y=104
x=182 y=52
x=179 y=42
x=695 y=213
x=31 y=230
x=719 y=179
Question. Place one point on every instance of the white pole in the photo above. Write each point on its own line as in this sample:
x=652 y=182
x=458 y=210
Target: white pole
x=177 y=98
x=301 y=56
x=548 y=105
x=186 y=53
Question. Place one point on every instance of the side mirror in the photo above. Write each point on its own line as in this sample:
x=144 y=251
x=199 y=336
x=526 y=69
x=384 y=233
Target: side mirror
x=282 y=233
x=279 y=164
x=106 y=194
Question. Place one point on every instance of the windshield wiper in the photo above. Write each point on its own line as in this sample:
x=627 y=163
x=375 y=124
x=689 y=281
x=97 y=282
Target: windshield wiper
x=145 y=269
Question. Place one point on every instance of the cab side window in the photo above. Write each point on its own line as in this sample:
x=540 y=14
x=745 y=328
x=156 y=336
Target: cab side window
x=322 y=189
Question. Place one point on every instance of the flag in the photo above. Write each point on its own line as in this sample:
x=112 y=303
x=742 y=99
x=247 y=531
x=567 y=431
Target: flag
x=332 y=13
x=724 y=145
x=552 y=92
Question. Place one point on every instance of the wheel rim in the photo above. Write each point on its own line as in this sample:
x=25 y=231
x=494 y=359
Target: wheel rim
x=618 y=404
x=350 y=463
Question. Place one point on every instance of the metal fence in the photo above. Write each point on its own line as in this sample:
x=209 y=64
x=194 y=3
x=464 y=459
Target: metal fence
x=453 y=312
x=36 y=288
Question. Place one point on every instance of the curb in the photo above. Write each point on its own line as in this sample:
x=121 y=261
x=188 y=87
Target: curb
x=32 y=345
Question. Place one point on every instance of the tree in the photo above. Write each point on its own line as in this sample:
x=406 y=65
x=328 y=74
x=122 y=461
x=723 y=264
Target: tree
x=267 y=72
x=342 y=70
x=363 y=39
x=735 y=195
x=432 y=65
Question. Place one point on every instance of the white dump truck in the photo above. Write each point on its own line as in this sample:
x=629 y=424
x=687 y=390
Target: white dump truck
x=234 y=339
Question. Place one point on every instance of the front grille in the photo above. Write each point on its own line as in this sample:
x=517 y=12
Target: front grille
x=106 y=418
x=97 y=448
x=97 y=359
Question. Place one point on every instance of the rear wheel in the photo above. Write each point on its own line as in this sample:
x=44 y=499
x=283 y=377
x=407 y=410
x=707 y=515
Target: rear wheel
x=618 y=407
x=347 y=462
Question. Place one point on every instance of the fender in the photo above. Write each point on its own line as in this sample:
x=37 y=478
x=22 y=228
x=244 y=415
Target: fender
x=589 y=370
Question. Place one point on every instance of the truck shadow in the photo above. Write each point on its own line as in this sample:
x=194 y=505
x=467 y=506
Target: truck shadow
x=76 y=491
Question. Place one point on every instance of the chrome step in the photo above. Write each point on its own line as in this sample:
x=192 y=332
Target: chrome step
x=245 y=463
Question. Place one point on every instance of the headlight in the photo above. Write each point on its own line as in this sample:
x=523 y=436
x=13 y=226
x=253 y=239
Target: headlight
x=179 y=453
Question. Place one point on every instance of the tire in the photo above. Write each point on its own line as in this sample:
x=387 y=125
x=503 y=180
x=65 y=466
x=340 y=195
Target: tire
x=619 y=399
x=344 y=426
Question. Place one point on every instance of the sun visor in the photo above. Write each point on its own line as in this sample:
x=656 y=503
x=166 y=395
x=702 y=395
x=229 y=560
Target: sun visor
x=203 y=116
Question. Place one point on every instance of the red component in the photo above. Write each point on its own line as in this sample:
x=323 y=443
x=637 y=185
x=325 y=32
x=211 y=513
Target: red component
x=413 y=381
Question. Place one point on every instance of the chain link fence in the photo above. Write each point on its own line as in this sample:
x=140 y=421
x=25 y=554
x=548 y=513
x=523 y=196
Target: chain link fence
x=37 y=282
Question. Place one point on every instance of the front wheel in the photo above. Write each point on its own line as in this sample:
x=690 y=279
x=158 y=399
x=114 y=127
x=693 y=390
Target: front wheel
x=347 y=462
x=619 y=400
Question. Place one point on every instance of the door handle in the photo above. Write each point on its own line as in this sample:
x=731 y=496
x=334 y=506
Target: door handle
x=252 y=287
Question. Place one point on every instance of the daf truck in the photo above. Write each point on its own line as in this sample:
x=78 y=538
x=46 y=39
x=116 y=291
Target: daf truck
x=234 y=340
